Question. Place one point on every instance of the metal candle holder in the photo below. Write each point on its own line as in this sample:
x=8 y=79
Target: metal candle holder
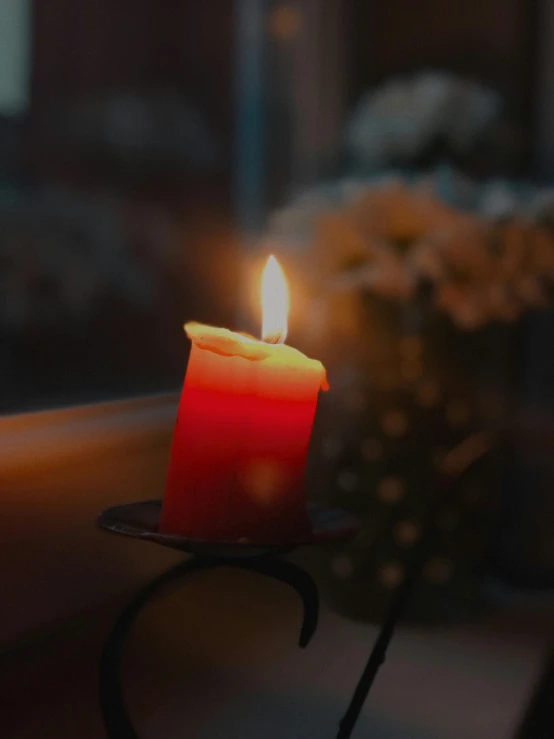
x=140 y=521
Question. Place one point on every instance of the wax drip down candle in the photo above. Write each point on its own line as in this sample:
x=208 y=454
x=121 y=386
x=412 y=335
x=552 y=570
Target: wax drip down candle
x=237 y=462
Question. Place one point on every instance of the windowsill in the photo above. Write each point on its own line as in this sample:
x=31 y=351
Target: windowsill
x=59 y=469
x=47 y=438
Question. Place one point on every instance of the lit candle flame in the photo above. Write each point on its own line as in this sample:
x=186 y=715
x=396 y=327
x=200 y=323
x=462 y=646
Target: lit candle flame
x=275 y=303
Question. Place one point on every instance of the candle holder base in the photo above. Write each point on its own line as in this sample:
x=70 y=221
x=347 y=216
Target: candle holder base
x=114 y=711
x=140 y=521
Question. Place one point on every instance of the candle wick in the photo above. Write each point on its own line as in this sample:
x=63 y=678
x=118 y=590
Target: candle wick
x=278 y=338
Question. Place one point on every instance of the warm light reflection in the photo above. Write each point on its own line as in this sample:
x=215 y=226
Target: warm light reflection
x=275 y=303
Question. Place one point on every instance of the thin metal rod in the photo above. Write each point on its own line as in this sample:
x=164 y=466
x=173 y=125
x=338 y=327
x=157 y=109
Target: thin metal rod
x=538 y=722
x=458 y=461
x=379 y=651
x=114 y=711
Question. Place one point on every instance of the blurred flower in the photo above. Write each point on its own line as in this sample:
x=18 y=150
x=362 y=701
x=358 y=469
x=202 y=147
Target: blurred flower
x=541 y=253
x=396 y=212
x=427 y=261
x=400 y=120
x=396 y=238
x=501 y=303
x=338 y=244
x=387 y=275
x=530 y=291
x=465 y=307
x=498 y=200
x=511 y=246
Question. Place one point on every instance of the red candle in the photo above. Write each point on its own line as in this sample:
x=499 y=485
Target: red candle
x=237 y=463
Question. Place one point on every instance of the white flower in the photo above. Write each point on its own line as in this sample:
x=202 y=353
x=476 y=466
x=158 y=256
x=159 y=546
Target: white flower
x=399 y=120
x=472 y=109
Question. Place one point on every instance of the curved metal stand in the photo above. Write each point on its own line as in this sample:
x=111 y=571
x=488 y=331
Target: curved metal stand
x=114 y=712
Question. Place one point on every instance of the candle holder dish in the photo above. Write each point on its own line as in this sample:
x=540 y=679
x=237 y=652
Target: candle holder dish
x=140 y=521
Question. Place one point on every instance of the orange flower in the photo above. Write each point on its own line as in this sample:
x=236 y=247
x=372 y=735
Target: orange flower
x=396 y=213
x=338 y=244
